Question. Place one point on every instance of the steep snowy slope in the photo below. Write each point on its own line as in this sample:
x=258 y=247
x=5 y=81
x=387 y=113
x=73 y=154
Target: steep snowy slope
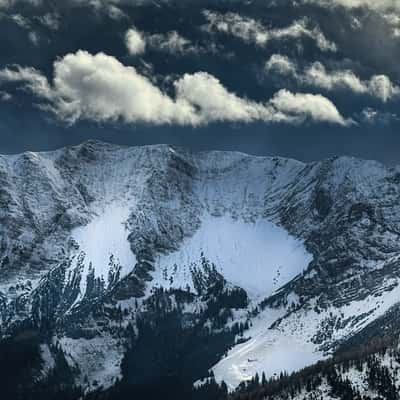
x=371 y=372
x=281 y=342
x=258 y=256
x=104 y=242
x=98 y=241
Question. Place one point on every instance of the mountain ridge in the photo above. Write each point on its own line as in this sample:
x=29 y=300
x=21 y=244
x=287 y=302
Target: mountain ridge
x=263 y=256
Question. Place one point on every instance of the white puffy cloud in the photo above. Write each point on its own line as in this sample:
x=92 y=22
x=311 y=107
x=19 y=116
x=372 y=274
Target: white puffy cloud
x=393 y=20
x=171 y=42
x=281 y=64
x=100 y=88
x=207 y=94
x=246 y=29
x=317 y=107
x=388 y=9
x=300 y=29
x=383 y=5
x=382 y=87
x=135 y=41
x=378 y=86
x=316 y=75
x=252 y=31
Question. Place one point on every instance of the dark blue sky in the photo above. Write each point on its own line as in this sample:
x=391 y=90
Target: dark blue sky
x=232 y=48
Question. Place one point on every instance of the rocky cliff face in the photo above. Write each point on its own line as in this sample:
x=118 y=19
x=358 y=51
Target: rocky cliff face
x=109 y=251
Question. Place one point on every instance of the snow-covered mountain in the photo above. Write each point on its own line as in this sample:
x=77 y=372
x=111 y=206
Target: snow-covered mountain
x=114 y=255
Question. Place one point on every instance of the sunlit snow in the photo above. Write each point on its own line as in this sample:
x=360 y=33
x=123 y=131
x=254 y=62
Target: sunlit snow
x=289 y=347
x=268 y=351
x=105 y=236
x=258 y=256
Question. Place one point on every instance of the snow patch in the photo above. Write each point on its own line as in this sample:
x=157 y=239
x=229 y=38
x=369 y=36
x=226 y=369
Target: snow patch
x=289 y=346
x=269 y=350
x=105 y=236
x=258 y=256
